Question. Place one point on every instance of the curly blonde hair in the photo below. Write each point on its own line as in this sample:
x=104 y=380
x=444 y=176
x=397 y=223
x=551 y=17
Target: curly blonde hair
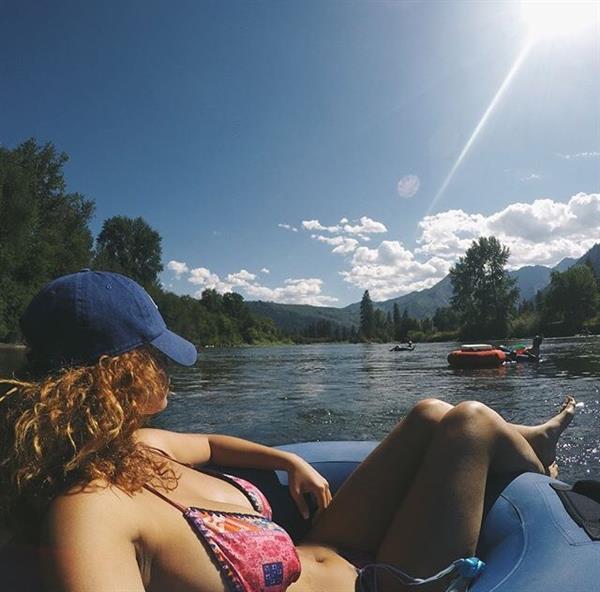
x=77 y=427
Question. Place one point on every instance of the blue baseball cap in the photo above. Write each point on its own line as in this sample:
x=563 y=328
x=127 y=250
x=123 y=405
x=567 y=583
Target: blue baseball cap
x=77 y=318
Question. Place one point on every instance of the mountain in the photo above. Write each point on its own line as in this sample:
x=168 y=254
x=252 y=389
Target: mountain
x=565 y=264
x=593 y=256
x=418 y=304
x=530 y=279
x=295 y=317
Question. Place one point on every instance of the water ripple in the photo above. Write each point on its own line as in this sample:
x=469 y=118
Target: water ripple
x=277 y=395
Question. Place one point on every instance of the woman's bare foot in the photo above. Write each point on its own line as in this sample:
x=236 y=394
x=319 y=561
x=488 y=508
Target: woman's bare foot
x=552 y=470
x=544 y=438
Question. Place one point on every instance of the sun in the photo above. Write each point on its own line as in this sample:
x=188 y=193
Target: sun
x=553 y=18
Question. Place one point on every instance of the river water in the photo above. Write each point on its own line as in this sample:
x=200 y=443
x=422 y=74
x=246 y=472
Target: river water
x=283 y=394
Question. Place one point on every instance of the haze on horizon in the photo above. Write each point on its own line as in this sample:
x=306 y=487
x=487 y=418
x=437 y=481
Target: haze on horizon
x=305 y=152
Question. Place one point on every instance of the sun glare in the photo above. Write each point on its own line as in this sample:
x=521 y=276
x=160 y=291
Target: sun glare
x=557 y=18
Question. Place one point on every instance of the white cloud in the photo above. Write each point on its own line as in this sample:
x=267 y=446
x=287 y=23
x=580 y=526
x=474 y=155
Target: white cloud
x=362 y=227
x=241 y=278
x=288 y=227
x=580 y=155
x=391 y=269
x=542 y=232
x=316 y=225
x=365 y=226
x=179 y=267
x=265 y=270
x=448 y=234
x=201 y=276
x=294 y=291
x=531 y=177
x=342 y=244
x=408 y=186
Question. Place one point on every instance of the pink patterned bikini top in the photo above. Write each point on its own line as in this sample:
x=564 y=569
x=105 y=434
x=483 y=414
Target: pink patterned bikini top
x=252 y=553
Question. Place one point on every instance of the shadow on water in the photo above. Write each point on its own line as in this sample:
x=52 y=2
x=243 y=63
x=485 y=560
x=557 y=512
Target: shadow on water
x=343 y=391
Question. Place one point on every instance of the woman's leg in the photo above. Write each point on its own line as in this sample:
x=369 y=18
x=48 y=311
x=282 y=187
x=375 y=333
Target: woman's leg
x=544 y=438
x=439 y=519
x=373 y=493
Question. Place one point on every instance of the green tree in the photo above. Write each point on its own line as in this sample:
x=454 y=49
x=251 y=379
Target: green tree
x=381 y=326
x=445 y=319
x=427 y=325
x=212 y=300
x=590 y=264
x=233 y=305
x=572 y=297
x=484 y=294
x=131 y=247
x=404 y=325
x=407 y=324
x=229 y=323
x=367 y=317
x=44 y=230
x=397 y=323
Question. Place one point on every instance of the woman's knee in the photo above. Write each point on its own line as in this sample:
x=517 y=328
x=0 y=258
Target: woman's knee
x=471 y=418
x=429 y=412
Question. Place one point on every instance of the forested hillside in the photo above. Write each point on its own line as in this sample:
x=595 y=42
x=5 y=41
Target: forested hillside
x=418 y=305
x=44 y=233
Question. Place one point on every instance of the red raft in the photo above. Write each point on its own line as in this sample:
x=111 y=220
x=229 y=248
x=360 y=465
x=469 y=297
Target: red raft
x=478 y=355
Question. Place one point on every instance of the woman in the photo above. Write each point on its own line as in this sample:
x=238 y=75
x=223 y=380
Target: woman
x=121 y=508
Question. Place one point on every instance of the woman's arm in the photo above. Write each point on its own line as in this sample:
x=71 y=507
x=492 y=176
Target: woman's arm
x=199 y=449
x=89 y=542
x=229 y=451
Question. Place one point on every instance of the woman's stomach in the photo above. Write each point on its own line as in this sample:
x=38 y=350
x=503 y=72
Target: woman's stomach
x=323 y=570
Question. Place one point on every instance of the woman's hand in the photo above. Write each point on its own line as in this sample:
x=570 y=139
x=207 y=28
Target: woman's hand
x=302 y=478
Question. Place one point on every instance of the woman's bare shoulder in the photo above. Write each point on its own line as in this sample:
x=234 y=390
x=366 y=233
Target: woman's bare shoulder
x=187 y=448
x=155 y=438
x=90 y=535
x=92 y=507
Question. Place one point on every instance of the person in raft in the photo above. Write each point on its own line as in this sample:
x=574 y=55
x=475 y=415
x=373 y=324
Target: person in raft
x=534 y=350
x=120 y=506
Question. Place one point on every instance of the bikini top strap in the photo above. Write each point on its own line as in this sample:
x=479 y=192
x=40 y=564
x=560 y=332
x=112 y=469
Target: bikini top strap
x=167 y=455
x=162 y=496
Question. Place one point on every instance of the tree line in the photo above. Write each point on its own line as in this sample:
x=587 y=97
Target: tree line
x=484 y=303
x=45 y=233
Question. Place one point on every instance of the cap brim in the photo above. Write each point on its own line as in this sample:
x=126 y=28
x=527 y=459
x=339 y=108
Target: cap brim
x=176 y=348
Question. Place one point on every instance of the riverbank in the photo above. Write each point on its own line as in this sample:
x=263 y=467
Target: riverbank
x=12 y=347
x=12 y=358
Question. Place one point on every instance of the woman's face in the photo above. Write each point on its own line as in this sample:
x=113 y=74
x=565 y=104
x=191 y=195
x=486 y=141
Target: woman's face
x=157 y=403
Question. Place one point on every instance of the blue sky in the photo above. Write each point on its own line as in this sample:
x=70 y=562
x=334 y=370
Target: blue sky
x=228 y=124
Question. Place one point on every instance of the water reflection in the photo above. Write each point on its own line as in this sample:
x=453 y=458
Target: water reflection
x=359 y=391
x=297 y=393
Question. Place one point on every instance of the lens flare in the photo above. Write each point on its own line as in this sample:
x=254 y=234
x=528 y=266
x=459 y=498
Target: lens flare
x=557 y=18
x=505 y=84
